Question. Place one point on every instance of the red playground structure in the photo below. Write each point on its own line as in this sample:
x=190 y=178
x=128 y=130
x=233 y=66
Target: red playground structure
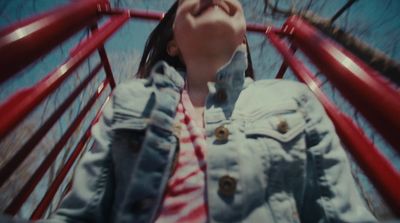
x=24 y=42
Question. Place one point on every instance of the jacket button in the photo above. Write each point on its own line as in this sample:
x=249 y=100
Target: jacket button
x=227 y=185
x=220 y=95
x=177 y=129
x=221 y=133
x=283 y=127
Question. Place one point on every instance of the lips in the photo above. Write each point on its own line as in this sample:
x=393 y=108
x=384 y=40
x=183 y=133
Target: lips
x=219 y=4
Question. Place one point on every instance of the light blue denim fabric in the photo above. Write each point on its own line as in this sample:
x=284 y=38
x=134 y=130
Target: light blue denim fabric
x=295 y=173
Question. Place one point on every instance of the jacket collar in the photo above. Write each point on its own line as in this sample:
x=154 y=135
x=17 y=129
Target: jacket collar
x=233 y=72
x=230 y=77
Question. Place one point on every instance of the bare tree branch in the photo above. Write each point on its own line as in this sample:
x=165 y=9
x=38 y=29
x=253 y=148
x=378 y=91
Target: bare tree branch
x=342 y=10
x=375 y=58
x=276 y=11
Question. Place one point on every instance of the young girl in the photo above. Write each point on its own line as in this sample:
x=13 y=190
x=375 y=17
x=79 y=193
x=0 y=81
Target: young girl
x=197 y=140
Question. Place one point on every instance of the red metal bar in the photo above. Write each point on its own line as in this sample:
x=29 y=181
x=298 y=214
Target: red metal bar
x=30 y=185
x=9 y=168
x=46 y=200
x=139 y=14
x=103 y=33
x=105 y=61
x=149 y=15
x=64 y=192
x=107 y=66
x=48 y=197
x=28 y=40
x=258 y=28
x=381 y=172
x=19 y=105
x=284 y=66
x=370 y=94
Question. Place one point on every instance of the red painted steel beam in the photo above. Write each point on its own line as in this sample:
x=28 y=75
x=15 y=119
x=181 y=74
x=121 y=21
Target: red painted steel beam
x=379 y=170
x=105 y=61
x=107 y=66
x=370 y=94
x=284 y=66
x=48 y=197
x=260 y=28
x=148 y=15
x=24 y=42
x=30 y=185
x=138 y=14
x=8 y=169
x=19 y=105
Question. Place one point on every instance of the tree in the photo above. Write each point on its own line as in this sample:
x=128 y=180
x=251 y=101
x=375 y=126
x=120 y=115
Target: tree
x=374 y=57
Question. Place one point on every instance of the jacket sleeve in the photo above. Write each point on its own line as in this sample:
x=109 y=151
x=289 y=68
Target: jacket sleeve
x=330 y=192
x=91 y=196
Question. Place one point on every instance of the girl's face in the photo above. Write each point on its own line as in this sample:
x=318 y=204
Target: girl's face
x=212 y=26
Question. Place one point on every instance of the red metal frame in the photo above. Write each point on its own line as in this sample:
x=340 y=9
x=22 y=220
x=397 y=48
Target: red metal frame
x=8 y=169
x=47 y=198
x=13 y=113
x=30 y=185
x=18 y=106
x=104 y=60
x=385 y=177
x=374 y=97
x=35 y=37
x=284 y=66
x=62 y=23
x=139 y=14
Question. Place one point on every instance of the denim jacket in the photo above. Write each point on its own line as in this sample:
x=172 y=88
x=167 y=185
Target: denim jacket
x=272 y=154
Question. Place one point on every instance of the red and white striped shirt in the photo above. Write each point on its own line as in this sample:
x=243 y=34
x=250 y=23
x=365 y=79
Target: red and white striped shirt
x=185 y=198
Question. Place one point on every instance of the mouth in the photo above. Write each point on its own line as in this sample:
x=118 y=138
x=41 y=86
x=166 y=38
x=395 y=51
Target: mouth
x=219 y=5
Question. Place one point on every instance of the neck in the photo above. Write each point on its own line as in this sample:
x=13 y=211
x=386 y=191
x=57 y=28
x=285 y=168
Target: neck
x=200 y=71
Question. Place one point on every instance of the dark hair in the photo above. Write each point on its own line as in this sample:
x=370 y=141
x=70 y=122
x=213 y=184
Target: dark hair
x=156 y=47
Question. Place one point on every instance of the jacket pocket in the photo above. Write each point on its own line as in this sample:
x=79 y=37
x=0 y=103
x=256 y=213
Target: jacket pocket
x=283 y=123
x=279 y=132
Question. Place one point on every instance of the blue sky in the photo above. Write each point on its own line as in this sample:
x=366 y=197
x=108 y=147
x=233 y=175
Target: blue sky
x=377 y=20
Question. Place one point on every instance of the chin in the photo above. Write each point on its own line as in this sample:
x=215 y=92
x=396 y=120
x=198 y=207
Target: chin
x=210 y=34
x=219 y=22
x=214 y=45
x=218 y=29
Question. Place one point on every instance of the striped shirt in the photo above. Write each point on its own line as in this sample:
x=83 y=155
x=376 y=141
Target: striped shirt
x=185 y=196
